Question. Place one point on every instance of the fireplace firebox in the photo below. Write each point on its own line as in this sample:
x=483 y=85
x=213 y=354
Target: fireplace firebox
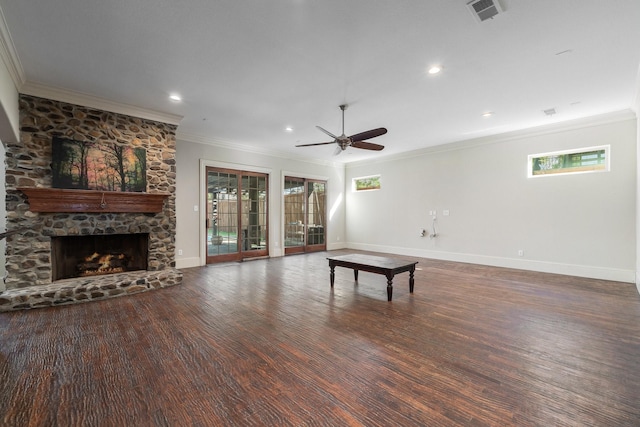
x=96 y=255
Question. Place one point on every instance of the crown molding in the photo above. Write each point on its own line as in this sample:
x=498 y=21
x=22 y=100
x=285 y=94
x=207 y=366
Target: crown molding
x=214 y=142
x=90 y=101
x=583 y=122
x=199 y=139
x=9 y=55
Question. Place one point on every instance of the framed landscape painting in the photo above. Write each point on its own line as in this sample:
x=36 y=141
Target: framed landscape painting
x=102 y=166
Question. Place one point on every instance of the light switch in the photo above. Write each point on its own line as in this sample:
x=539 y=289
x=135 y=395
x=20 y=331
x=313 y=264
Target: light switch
x=195 y=208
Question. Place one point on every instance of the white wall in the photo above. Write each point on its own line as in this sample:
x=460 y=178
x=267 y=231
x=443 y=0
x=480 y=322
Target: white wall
x=9 y=114
x=636 y=108
x=9 y=118
x=581 y=224
x=190 y=223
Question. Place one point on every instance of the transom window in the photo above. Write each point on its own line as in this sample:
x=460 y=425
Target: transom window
x=582 y=160
x=366 y=183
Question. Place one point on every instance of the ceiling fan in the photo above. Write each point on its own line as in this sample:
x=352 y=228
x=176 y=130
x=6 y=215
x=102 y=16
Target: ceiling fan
x=356 y=141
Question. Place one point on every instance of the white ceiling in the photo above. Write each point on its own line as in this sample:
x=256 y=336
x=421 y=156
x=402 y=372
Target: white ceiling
x=246 y=69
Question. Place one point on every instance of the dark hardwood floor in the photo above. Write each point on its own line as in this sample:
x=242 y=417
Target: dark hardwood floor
x=267 y=342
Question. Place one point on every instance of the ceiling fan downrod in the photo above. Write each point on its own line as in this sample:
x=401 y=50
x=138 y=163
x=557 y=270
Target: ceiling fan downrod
x=343 y=107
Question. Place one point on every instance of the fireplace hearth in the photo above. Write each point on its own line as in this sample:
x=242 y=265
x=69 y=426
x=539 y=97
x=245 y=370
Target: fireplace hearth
x=96 y=255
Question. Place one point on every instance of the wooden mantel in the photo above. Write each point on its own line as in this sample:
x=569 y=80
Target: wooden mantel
x=64 y=200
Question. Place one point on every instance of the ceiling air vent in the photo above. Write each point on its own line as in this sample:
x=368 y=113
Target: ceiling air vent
x=484 y=9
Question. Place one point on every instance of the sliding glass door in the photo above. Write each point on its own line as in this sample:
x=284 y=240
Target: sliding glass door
x=236 y=215
x=304 y=215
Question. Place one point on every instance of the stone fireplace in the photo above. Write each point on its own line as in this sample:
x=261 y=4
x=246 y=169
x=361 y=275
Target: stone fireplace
x=126 y=243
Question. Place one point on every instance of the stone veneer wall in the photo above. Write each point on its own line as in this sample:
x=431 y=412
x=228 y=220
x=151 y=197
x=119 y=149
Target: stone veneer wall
x=28 y=164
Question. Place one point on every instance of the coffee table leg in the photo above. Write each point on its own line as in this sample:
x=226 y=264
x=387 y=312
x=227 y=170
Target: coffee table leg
x=333 y=274
x=389 y=288
x=355 y=274
x=411 y=280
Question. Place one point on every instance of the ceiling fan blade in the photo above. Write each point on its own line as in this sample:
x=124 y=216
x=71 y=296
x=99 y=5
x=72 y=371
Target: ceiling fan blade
x=368 y=134
x=367 y=145
x=327 y=132
x=317 y=143
x=337 y=151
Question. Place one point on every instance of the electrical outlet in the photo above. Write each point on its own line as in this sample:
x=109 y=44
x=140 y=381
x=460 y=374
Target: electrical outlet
x=180 y=252
x=520 y=252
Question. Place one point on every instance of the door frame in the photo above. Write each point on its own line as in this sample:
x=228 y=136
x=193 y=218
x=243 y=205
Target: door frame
x=202 y=196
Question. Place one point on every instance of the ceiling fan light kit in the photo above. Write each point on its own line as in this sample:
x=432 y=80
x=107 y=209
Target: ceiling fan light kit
x=356 y=140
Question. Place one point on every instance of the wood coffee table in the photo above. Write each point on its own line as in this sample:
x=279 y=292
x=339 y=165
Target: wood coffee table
x=374 y=264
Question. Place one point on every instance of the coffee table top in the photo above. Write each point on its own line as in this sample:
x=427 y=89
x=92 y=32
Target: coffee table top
x=371 y=260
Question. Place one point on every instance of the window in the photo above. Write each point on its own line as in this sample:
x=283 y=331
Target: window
x=366 y=183
x=582 y=160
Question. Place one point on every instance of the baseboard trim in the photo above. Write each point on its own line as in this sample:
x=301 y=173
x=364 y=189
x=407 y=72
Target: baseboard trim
x=188 y=262
x=336 y=246
x=603 y=273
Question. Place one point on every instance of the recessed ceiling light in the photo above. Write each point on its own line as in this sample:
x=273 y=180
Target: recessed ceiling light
x=435 y=69
x=288 y=129
x=175 y=97
x=487 y=114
